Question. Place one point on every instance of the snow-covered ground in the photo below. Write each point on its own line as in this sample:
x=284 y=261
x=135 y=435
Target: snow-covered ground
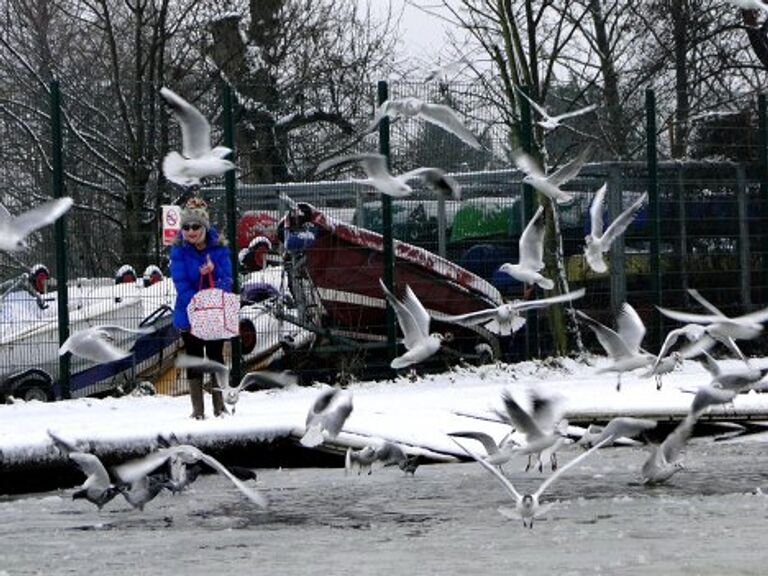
x=416 y=413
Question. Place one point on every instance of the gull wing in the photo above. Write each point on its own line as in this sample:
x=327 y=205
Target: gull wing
x=532 y=242
x=571 y=169
x=253 y=495
x=417 y=310
x=523 y=305
x=92 y=467
x=366 y=160
x=705 y=303
x=613 y=344
x=266 y=379
x=493 y=470
x=623 y=220
x=688 y=317
x=41 y=215
x=485 y=439
x=195 y=129
x=471 y=318
x=669 y=341
x=563 y=469
x=758 y=316
x=447 y=118
x=625 y=426
x=573 y=113
x=527 y=164
x=520 y=419
x=134 y=469
x=675 y=440
x=707 y=396
x=596 y=210
x=409 y=325
x=630 y=327
x=540 y=109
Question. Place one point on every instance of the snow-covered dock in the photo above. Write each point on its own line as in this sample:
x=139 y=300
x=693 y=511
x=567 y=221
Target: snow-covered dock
x=417 y=414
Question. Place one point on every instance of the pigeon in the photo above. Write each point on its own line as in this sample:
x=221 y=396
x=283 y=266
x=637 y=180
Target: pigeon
x=439 y=114
x=664 y=459
x=97 y=343
x=531 y=254
x=507 y=319
x=598 y=242
x=379 y=176
x=97 y=488
x=15 y=230
x=259 y=380
x=549 y=185
x=551 y=122
x=197 y=159
x=623 y=346
x=326 y=416
x=179 y=457
x=539 y=427
x=527 y=506
x=414 y=322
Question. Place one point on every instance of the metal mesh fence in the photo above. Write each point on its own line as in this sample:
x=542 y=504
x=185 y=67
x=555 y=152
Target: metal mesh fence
x=317 y=307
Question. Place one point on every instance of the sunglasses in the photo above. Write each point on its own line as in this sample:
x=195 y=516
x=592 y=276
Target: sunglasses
x=188 y=227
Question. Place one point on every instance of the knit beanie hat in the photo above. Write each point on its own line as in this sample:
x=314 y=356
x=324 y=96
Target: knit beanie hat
x=195 y=211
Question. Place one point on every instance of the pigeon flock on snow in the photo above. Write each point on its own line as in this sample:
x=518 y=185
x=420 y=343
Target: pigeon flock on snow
x=536 y=426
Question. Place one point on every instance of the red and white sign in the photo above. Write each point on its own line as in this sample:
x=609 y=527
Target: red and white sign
x=171 y=223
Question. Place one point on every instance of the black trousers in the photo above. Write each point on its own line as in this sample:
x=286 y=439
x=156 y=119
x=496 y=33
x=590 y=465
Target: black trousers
x=194 y=346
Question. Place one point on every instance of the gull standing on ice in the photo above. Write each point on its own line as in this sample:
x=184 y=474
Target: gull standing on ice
x=379 y=176
x=260 y=379
x=14 y=230
x=623 y=346
x=551 y=122
x=414 y=322
x=326 y=416
x=598 y=242
x=549 y=185
x=184 y=455
x=97 y=343
x=531 y=254
x=438 y=114
x=506 y=319
x=197 y=159
x=527 y=506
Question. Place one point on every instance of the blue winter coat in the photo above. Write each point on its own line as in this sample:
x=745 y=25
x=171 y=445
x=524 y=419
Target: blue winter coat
x=186 y=261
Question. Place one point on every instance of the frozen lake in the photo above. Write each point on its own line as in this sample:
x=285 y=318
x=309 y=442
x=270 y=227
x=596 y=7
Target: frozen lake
x=710 y=520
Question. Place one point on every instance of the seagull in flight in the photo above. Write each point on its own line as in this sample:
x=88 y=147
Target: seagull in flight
x=737 y=380
x=551 y=122
x=597 y=242
x=719 y=327
x=438 y=114
x=15 y=230
x=326 y=416
x=178 y=457
x=549 y=185
x=379 y=176
x=197 y=159
x=259 y=380
x=507 y=318
x=97 y=343
x=528 y=506
x=388 y=453
x=531 y=254
x=623 y=346
x=664 y=459
x=618 y=427
x=97 y=488
x=495 y=454
x=414 y=322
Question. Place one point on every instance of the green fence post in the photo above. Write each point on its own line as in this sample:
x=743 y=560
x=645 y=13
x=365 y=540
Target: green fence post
x=60 y=235
x=529 y=198
x=762 y=115
x=653 y=205
x=230 y=188
x=386 y=224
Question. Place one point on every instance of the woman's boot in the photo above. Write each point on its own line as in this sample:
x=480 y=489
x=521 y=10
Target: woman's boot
x=196 y=394
x=218 y=403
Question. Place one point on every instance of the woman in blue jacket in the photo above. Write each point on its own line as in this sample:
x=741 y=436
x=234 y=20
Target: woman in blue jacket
x=199 y=259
